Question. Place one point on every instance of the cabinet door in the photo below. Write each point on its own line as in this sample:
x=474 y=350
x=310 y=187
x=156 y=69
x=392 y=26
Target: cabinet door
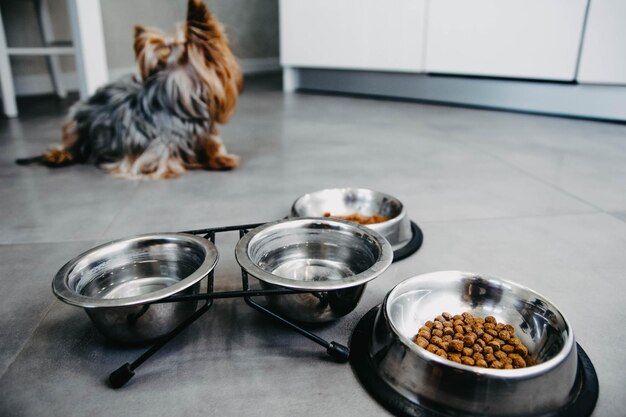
x=352 y=34
x=603 y=57
x=537 y=39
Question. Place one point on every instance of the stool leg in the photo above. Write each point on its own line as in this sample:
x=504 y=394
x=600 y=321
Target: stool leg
x=291 y=79
x=47 y=35
x=6 y=76
x=88 y=39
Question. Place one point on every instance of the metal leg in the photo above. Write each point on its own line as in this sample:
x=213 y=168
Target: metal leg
x=336 y=350
x=47 y=36
x=124 y=373
x=6 y=76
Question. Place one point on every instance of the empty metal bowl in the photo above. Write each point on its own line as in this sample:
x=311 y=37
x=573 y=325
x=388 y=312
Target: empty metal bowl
x=115 y=281
x=420 y=375
x=332 y=258
x=349 y=201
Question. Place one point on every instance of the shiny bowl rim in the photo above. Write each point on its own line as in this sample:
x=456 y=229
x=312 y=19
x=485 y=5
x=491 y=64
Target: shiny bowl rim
x=61 y=289
x=397 y=219
x=381 y=264
x=429 y=357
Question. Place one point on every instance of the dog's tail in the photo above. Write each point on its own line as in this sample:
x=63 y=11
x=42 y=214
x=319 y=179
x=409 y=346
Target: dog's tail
x=54 y=158
x=29 y=161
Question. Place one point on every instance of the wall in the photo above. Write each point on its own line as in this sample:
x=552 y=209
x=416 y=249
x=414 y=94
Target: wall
x=252 y=27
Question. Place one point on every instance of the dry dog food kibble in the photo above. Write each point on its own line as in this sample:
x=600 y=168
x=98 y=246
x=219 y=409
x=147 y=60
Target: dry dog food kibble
x=474 y=341
x=359 y=218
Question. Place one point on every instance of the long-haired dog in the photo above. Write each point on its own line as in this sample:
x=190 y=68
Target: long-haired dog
x=164 y=123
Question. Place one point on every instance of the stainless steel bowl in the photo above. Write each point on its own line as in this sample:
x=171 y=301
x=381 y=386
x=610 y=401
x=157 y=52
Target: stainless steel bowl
x=418 y=374
x=332 y=258
x=348 y=201
x=115 y=281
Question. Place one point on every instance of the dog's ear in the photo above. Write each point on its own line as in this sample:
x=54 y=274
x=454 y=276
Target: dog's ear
x=202 y=26
x=143 y=55
x=140 y=40
x=147 y=41
x=209 y=53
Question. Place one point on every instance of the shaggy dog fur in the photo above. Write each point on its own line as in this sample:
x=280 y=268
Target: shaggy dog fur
x=166 y=122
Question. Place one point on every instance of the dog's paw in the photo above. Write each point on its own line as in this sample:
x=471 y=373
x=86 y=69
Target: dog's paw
x=224 y=162
x=57 y=157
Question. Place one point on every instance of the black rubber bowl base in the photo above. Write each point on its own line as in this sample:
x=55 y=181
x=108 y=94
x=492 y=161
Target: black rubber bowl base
x=412 y=246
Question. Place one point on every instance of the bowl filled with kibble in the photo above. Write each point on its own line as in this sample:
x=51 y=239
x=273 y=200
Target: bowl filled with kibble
x=476 y=344
x=379 y=211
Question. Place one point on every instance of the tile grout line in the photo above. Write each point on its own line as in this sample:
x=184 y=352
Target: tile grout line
x=43 y=316
x=30 y=336
x=522 y=217
x=612 y=214
x=106 y=229
x=528 y=174
x=49 y=242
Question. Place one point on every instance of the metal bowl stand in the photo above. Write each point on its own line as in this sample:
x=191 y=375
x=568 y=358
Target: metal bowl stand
x=337 y=351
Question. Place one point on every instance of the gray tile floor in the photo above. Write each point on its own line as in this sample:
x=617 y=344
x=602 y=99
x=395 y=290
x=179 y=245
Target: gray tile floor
x=538 y=200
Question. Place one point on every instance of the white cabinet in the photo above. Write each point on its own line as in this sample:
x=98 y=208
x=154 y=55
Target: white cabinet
x=535 y=39
x=603 y=57
x=383 y=35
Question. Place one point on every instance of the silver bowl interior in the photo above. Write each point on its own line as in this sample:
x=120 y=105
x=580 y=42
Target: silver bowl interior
x=347 y=201
x=135 y=270
x=420 y=375
x=314 y=254
x=537 y=322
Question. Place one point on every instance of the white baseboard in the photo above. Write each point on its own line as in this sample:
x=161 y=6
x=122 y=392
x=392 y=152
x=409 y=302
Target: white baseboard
x=577 y=100
x=28 y=85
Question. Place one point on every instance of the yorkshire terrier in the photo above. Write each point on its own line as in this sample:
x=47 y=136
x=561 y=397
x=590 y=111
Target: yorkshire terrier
x=166 y=122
